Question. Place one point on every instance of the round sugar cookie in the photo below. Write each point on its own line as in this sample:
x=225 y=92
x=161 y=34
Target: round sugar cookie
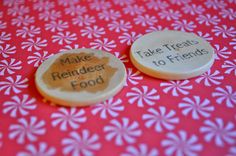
x=80 y=77
x=172 y=55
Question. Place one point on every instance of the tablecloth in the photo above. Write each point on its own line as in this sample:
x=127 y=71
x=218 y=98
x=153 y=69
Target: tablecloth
x=194 y=117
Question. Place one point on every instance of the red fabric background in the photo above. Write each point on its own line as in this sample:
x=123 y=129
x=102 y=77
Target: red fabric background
x=209 y=130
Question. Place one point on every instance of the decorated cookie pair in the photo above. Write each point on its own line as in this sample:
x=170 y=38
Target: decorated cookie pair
x=82 y=77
